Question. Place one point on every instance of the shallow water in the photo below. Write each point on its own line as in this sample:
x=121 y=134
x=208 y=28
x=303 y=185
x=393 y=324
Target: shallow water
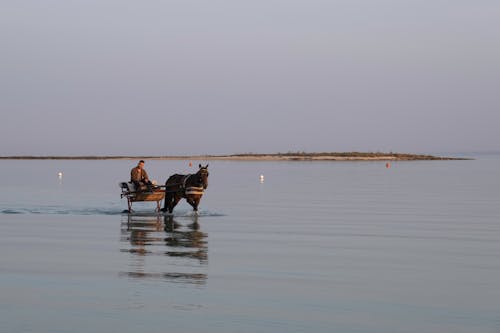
x=319 y=247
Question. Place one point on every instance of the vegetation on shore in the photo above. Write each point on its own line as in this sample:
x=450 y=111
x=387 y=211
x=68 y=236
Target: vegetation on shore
x=354 y=155
x=289 y=156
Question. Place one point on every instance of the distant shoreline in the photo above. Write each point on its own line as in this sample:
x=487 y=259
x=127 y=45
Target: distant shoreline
x=344 y=156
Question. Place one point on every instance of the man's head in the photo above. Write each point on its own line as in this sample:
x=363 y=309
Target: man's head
x=141 y=164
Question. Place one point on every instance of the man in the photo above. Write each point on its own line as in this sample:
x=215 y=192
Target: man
x=139 y=177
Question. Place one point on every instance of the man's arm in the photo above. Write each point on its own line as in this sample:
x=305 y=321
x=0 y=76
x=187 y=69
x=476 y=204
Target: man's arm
x=145 y=175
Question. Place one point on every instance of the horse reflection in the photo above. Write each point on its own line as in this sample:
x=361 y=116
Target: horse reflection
x=179 y=245
x=189 y=243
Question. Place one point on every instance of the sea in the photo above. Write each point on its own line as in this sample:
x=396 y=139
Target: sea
x=298 y=246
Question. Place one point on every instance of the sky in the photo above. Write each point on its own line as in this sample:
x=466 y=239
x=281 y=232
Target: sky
x=185 y=77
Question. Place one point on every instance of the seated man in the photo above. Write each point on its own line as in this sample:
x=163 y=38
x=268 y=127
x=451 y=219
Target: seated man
x=139 y=177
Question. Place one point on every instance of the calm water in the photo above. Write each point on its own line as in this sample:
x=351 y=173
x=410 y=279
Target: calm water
x=317 y=247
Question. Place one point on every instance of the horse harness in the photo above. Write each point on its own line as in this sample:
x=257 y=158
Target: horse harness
x=193 y=190
x=190 y=190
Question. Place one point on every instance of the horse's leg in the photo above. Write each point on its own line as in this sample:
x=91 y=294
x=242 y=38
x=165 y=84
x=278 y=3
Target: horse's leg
x=196 y=203
x=174 y=202
x=189 y=200
x=193 y=201
x=166 y=203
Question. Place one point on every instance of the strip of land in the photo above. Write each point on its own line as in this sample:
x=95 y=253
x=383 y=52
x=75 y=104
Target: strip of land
x=300 y=156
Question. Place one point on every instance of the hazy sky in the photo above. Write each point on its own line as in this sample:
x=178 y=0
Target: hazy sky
x=172 y=77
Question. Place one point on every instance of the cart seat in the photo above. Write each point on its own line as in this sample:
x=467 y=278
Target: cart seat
x=127 y=186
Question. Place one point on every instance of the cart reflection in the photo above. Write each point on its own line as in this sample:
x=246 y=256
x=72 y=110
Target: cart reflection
x=160 y=247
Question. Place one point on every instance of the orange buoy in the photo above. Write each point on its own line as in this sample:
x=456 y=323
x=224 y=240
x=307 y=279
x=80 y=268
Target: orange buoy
x=388 y=165
x=190 y=164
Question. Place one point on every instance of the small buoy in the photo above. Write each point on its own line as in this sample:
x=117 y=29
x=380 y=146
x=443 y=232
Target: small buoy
x=60 y=174
x=261 y=178
x=190 y=164
x=388 y=165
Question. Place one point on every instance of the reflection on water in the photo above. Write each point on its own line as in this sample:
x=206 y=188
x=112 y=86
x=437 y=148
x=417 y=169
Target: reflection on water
x=162 y=248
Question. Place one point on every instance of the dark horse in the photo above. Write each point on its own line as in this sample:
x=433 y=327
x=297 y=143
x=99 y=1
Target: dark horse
x=190 y=187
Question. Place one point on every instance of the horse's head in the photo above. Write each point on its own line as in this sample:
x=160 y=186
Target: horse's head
x=203 y=176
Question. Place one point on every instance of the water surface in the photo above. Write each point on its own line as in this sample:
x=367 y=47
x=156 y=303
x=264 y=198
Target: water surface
x=318 y=247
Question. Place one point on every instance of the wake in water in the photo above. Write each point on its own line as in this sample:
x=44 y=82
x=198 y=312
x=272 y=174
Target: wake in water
x=103 y=211
x=177 y=213
x=60 y=211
